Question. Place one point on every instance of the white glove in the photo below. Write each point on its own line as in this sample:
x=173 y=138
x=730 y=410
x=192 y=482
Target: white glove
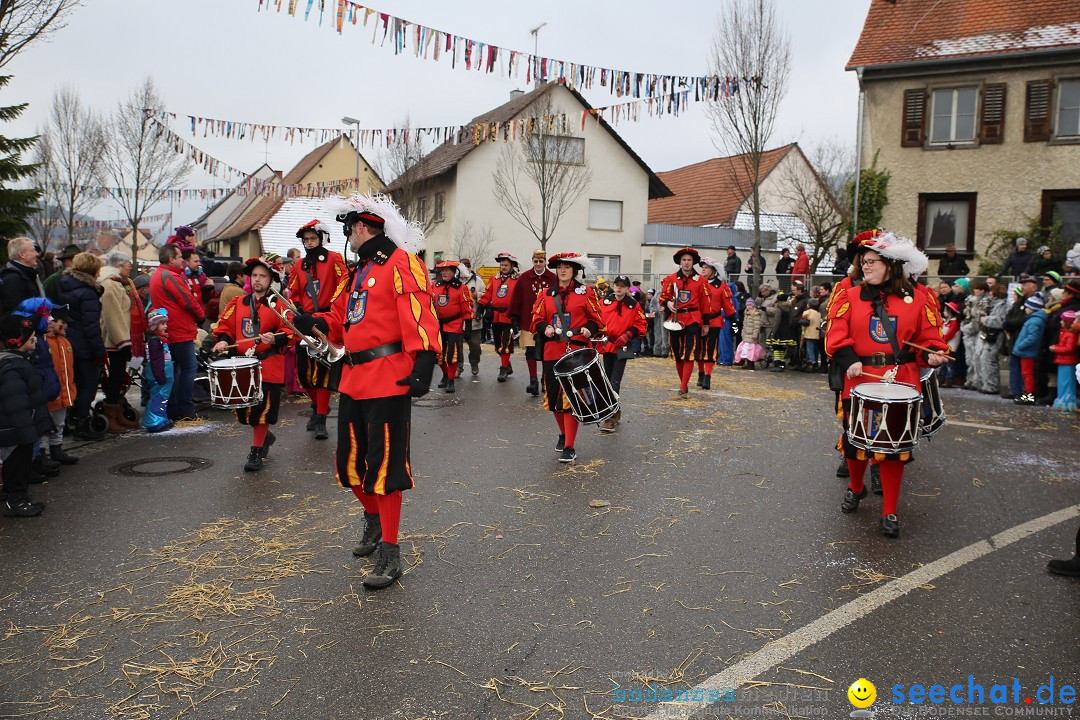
x=135 y=364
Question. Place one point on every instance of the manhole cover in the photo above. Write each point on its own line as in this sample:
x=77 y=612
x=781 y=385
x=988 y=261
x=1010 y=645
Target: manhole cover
x=161 y=466
x=437 y=401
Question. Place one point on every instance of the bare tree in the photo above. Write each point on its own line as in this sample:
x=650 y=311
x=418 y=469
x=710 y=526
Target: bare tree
x=400 y=163
x=750 y=44
x=539 y=178
x=817 y=195
x=139 y=158
x=473 y=243
x=24 y=21
x=41 y=227
x=74 y=148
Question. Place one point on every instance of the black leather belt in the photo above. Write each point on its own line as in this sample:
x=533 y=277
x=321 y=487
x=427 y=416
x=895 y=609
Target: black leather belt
x=883 y=359
x=365 y=356
x=686 y=310
x=444 y=321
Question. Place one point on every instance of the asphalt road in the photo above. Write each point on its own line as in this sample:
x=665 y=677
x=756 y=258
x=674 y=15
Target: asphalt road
x=698 y=547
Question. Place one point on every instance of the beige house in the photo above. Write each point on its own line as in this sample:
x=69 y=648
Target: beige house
x=974 y=109
x=239 y=234
x=454 y=185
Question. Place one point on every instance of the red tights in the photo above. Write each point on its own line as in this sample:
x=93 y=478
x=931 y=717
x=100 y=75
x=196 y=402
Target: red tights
x=892 y=472
x=321 y=398
x=568 y=427
x=387 y=507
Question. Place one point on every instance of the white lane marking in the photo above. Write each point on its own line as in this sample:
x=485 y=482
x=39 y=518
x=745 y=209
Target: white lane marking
x=977 y=425
x=786 y=647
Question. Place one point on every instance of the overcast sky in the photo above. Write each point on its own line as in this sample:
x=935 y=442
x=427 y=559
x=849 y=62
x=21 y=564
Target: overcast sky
x=224 y=59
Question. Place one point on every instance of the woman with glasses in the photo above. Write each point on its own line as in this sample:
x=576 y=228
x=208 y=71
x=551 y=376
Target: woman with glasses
x=872 y=327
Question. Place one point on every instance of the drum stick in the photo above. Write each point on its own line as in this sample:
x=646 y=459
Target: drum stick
x=882 y=377
x=238 y=344
x=926 y=349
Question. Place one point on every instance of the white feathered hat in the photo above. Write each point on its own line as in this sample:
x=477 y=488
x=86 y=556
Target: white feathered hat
x=715 y=265
x=588 y=267
x=895 y=247
x=318 y=226
x=380 y=210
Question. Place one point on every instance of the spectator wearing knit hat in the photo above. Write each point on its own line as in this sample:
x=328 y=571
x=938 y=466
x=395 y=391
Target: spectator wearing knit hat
x=1028 y=345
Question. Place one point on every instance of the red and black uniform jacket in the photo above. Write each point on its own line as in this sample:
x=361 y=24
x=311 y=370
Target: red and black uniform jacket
x=720 y=304
x=529 y=286
x=580 y=309
x=170 y=289
x=621 y=316
x=854 y=333
x=386 y=304
x=320 y=278
x=238 y=324
x=497 y=296
x=453 y=304
x=691 y=296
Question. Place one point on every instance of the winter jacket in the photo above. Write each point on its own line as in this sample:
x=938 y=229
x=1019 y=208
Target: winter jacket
x=784 y=265
x=1029 y=341
x=993 y=321
x=82 y=295
x=802 y=265
x=1066 y=351
x=24 y=415
x=770 y=315
x=115 y=310
x=733 y=266
x=1018 y=263
x=812 y=326
x=752 y=321
x=169 y=289
x=63 y=357
x=952 y=268
x=19 y=283
x=1041 y=266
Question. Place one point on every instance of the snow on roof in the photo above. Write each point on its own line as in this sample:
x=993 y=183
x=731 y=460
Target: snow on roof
x=1030 y=39
x=279 y=232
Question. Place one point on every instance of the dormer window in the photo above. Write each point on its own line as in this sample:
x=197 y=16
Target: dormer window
x=953 y=118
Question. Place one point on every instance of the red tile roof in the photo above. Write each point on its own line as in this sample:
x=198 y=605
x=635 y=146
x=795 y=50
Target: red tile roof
x=926 y=30
x=710 y=192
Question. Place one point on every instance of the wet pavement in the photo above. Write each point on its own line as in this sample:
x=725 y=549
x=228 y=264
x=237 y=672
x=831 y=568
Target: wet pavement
x=703 y=538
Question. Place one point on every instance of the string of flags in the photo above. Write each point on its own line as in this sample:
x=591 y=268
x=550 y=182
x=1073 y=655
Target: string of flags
x=42 y=221
x=250 y=186
x=407 y=37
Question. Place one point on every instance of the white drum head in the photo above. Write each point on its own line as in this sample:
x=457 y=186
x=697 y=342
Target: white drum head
x=673 y=326
x=885 y=391
x=233 y=363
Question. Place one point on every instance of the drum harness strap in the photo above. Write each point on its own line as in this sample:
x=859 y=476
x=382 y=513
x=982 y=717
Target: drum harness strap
x=881 y=359
x=568 y=332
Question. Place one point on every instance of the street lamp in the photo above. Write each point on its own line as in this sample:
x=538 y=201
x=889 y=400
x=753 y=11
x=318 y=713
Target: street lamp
x=353 y=121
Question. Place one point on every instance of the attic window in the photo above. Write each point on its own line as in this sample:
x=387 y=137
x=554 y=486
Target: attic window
x=953 y=119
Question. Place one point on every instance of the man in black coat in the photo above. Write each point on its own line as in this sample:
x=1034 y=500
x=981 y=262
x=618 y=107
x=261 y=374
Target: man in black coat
x=952 y=266
x=1019 y=262
x=20 y=275
x=783 y=270
x=733 y=265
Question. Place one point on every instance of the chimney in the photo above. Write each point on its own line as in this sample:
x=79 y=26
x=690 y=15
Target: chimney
x=515 y=94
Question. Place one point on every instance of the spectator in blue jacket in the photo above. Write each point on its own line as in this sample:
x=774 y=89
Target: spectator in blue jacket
x=1028 y=345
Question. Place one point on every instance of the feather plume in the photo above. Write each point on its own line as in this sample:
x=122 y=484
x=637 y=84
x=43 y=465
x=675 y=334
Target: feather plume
x=406 y=234
x=895 y=247
x=715 y=265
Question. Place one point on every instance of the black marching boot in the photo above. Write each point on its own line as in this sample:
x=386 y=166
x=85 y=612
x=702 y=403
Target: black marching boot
x=270 y=438
x=851 y=500
x=875 y=480
x=387 y=567
x=706 y=383
x=312 y=422
x=370 y=538
x=450 y=386
x=320 y=427
x=842 y=471
x=254 y=459
x=701 y=378
x=56 y=452
x=502 y=374
x=1067 y=567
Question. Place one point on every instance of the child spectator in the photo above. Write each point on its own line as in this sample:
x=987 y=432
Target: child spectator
x=1027 y=346
x=63 y=357
x=749 y=350
x=1066 y=355
x=24 y=415
x=811 y=336
x=951 y=372
x=155 y=418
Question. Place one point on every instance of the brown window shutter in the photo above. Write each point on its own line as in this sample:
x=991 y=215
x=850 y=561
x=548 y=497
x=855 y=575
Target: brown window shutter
x=992 y=123
x=1037 y=114
x=914 y=126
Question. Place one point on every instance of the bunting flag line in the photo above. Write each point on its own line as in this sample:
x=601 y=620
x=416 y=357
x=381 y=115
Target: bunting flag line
x=669 y=104
x=250 y=186
x=407 y=37
x=41 y=221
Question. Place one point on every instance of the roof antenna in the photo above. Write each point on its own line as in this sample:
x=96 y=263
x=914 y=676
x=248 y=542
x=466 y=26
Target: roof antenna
x=535 y=32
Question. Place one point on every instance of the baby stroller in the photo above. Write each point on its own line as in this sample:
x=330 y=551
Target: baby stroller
x=98 y=421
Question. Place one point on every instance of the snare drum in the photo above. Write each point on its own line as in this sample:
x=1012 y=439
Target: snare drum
x=673 y=325
x=235 y=382
x=586 y=387
x=884 y=417
x=933 y=411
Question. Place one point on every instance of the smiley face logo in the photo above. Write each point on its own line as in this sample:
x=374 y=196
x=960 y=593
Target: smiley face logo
x=862 y=693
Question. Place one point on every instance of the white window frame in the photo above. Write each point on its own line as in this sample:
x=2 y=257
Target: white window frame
x=955 y=94
x=421 y=209
x=606 y=229
x=1075 y=134
x=559 y=155
x=440 y=207
x=646 y=267
x=603 y=264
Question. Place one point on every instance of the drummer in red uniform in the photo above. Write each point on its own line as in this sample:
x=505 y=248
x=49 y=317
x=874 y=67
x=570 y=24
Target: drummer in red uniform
x=454 y=305
x=721 y=310
x=531 y=284
x=256 y=330
x=386 y=319
x=685 y=294
x=866 y=348
x=567 y=315
x=320 y=277
x=624 y=320
x=497 y=297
